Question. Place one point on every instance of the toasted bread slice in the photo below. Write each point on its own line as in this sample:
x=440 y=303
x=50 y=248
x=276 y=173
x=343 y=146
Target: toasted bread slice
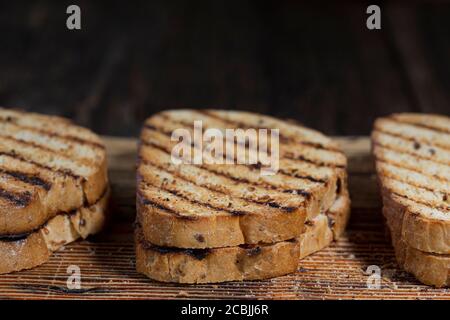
x=218 y=205
x=47 y=165
x=33 y=249
x=429 y=268
x=244 y=262
x=412 y=153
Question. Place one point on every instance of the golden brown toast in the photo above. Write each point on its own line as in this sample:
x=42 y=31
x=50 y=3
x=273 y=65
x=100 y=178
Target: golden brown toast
x=47 y=165
x=429 y=268
x=219 y=205
x=412 y=154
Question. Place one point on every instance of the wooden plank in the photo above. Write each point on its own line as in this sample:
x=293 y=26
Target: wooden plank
x=338 y=272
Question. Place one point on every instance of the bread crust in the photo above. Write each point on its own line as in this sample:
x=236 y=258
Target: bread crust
x=317 y=235
x=50 y=166
x=95 y=184
x=247 y=262
x=36 y=248
x=164 y=229
x=326 y=227
x=428 y=268
x=412 y=154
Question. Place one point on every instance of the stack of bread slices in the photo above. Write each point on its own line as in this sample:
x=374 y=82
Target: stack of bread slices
x=53 y=187
x=412 y=153
x=199 y=223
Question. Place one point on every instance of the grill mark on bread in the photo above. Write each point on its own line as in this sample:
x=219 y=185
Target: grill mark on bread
x=57 y=153
x=47 y=166
x=148 y=202
x=446 y=209
x=300 y=176
x=417 y=144
x=29 y=179
x=315 y=162
x=182 y=196
x=67 y=172
x=19 y=236
x=416 y=169
x=49 y=152
x=53 y=134
x=31 y=144
x=236 y=179
x=18 y=199
x=419 y=138
x=24 y=235
x=292 y=174
x=428 y=198
x=87 y=205
x=240 y=125
x=419 y=125
x=267 y=186
x=400 y=177
x=283 y=138
x=14 y=238
x=189 y=125
x=431 y=147
x=274 y=204
x=198 y=254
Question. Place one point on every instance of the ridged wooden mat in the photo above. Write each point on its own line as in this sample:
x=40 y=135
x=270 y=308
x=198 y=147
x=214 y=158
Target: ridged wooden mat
x=338 y=272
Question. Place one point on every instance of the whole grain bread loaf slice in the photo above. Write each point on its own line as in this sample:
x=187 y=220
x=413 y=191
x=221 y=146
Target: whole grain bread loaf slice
x=412 y=154
x=47 y=165
x=221 y=205
x=30 y=250
x=429 y=268
x=244 y=262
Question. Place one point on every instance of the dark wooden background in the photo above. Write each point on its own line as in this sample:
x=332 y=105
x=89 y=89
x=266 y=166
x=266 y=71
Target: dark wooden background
x=312 y=61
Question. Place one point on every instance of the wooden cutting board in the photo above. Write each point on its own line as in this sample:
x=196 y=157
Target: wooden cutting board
x=107 y=268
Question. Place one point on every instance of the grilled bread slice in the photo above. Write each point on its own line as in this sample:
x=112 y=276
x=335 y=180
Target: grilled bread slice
x=429 y=268
x=244 y=262
x=30 y=250
x=412 y=153
x=215 y=205
x=47 y=165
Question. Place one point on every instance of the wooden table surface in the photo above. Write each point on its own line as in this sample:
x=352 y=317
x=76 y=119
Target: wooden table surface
x=338 y=272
